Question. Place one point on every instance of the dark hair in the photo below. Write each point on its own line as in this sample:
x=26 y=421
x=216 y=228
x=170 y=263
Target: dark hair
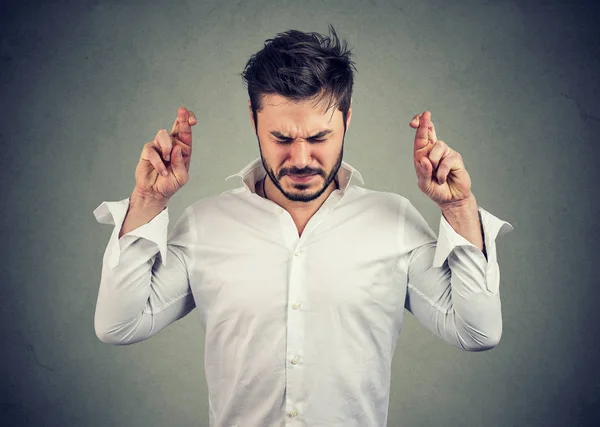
x=301 y=66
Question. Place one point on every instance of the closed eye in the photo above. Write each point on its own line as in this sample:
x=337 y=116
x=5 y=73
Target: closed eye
x=288 y=141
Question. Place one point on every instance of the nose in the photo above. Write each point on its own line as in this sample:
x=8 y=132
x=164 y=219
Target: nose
x=300 y=154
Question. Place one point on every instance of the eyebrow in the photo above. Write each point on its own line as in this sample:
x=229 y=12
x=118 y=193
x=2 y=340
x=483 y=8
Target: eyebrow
x=321 y=134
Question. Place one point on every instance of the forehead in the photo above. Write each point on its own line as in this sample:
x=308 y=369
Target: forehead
x=279 y=113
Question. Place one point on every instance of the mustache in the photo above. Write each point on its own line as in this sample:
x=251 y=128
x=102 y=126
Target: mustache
x=300 y=172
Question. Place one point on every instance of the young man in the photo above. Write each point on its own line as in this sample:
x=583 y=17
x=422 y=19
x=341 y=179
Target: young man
x=300 y=277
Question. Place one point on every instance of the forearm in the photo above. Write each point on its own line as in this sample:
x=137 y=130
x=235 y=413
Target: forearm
x=124 y=292
x=453 y=301
x=452 y=289
x=141 y=211
x=139 y=294
x=464 y=219
x=476 y=311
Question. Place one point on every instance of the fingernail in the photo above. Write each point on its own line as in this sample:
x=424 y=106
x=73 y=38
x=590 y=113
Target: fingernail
x=167 y=157
x=164 y=172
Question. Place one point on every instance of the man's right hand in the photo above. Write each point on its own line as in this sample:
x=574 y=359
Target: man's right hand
x=165 y=161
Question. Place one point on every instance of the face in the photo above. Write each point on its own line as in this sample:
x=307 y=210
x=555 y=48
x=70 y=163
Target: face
x=301 y=145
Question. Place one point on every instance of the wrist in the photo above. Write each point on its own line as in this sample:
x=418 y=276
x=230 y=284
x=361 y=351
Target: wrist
x=143 y=208
x=463 y=217
x=461 y=208
x=142 y=200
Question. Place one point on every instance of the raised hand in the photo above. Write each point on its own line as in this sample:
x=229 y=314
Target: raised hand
x=165 y=161
x=440 y=170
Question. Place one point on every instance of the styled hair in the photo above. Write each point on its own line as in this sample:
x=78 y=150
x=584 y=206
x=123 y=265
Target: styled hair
x=301 y=66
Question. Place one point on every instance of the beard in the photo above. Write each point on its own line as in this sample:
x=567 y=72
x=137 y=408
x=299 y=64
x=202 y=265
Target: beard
x=303 y=196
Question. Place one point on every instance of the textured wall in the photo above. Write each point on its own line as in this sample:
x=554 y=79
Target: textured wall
x=512 y=85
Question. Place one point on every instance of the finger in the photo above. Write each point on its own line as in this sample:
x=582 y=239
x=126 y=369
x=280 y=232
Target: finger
x=182 y=127
x=439 y=150
x=452 y=162
x=178 y=165
x=191 y=120
x=164 y=144
x=414 y=123
x=424 y=172
x=432 y=134
x=150 y=154
x=186 y=150
x=422 y=136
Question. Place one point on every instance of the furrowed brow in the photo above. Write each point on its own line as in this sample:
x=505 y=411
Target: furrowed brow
x=319 y=135
x=279 y=135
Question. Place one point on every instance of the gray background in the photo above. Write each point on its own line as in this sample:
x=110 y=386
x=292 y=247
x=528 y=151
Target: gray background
x=513 y=86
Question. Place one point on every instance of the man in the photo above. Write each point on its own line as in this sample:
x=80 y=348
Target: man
x=300 y=278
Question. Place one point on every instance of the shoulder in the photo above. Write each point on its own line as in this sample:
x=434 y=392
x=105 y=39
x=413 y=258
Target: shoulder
x=217 y=203
x=376 y=199
x=382 y=207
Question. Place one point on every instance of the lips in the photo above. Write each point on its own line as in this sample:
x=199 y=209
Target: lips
x=301 y=178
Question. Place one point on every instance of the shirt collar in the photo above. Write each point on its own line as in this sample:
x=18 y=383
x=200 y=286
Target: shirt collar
x=255 y=171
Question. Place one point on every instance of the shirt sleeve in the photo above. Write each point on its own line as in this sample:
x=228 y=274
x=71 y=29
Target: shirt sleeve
x=452 y=289
x=144 y=285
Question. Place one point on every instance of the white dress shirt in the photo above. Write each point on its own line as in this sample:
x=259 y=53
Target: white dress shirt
x=299 y=331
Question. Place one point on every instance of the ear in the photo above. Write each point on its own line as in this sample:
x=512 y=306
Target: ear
x=349 y=117
x=251 y=116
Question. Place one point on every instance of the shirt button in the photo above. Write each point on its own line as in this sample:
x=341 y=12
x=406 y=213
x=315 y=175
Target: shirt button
x=295 y=361
x=280 y=211
x=296 y=306
x=293 y=413
x=297 y=253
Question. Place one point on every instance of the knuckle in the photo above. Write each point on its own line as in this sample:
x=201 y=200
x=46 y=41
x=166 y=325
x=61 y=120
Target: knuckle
x=147 y=149
x=157 y=161
x=163 y=135
x=154 y=149
x=153 y=157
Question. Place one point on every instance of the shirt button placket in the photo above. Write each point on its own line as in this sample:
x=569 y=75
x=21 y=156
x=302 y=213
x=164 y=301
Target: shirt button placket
x=295 y=342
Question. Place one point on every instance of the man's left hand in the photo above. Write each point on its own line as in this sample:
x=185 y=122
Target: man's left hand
x=440 y=170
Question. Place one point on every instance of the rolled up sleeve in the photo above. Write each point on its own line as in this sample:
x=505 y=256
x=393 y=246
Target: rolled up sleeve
x=113 y=213
x=139 y=295
x=452 y=288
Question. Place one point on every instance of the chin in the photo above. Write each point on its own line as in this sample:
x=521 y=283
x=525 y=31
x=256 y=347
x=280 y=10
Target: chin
x=304 y=192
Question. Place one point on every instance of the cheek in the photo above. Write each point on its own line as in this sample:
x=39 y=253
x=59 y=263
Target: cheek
x=328 y=155
x=275 y=155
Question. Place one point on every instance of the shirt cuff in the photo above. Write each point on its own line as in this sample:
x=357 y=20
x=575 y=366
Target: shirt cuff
x=113 y=213
x=448 y=238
